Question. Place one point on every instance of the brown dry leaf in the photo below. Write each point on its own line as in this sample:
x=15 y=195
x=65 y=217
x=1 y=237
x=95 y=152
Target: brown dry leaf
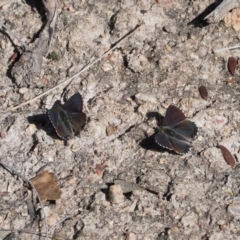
x=231 y=80
x=111 y=130
x=232 y=63
x=228 y=156
x=100 y=168
x=14 y=57
x=46 y=187
x=203 y=92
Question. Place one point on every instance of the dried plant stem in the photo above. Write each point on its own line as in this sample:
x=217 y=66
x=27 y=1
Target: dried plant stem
x=67 y=81
x=225 y=49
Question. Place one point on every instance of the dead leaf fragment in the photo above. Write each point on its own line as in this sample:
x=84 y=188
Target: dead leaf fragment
x=14 y=57
x=228 y=156
x=203 y=92
x=111 y=130
x=46 y=187
x=100 y=168
x=232 y=63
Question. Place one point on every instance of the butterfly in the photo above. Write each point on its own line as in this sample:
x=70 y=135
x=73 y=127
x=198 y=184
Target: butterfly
x=67 y=118
x=176 y=133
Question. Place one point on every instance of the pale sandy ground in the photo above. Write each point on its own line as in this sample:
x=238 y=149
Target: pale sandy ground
x=164 y=61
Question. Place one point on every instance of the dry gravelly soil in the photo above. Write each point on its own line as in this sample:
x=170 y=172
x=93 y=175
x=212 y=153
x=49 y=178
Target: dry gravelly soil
x=164 y=62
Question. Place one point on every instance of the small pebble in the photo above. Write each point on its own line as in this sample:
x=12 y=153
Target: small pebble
x=234 y=208
x=52 y=220
x=26 y=96
x=3 y=134
x=106 y=67
x=145 y=97
x=116 y=194
x=31 y=129
x=75 y=147
x=131 y=236
x=86 y=190
x=23 y=90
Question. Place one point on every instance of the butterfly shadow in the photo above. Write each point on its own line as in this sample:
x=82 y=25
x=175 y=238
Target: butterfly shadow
x=199 y=21
x=149 y=143
x=42 y=122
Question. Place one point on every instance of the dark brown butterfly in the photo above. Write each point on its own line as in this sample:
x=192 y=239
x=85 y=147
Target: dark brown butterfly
x=67 y=118
x=176 y=132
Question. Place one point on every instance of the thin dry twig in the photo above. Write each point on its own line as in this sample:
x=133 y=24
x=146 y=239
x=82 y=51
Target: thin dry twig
x=225 y=49
x=67 y=81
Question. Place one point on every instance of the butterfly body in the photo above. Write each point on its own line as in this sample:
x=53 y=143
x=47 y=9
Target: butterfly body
x=176 y=132
x=67 y=118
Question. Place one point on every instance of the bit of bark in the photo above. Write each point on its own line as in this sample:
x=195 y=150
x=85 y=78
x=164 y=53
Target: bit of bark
x=29 y=65
x=219 y=13
x=228 y=156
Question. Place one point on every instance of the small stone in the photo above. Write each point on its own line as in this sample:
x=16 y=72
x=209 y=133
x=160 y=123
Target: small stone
x=145 y=97
x=86 y=190
x=222 y=224
x=45 y=80
x=31 y=129
x=23 y=90
x=5 y=6
x=234 y=208
x=75 y=147
x=169 y=49
x=71 y=181
x=26 y=96
x=3 y=134
x=52 y=220
x=116 y=194
x=106 y=67
x=131 y=236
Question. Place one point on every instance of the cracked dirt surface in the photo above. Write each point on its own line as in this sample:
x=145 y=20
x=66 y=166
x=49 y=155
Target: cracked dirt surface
x=196 y=195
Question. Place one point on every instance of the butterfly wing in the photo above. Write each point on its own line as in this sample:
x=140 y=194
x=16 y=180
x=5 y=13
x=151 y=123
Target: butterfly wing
x=74 y=103
x=59 y=121
x=173 y=116
x=162 y=140
x=172 y=143
x=179 y=146
x=77 y=120
x=187 y=129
